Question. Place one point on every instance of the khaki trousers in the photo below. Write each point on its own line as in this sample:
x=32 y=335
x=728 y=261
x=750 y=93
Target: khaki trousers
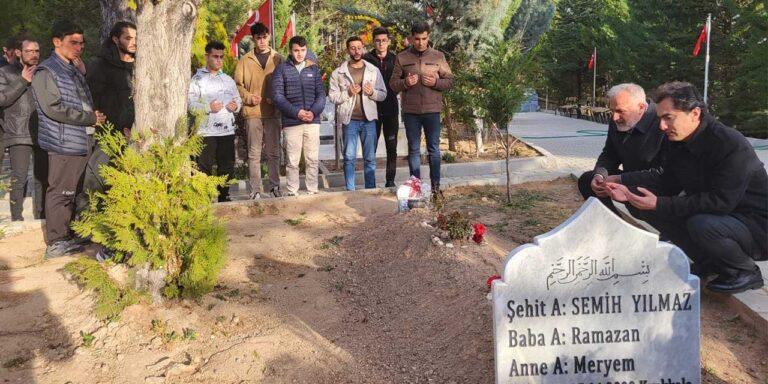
x=304 y=137
x=263 y=133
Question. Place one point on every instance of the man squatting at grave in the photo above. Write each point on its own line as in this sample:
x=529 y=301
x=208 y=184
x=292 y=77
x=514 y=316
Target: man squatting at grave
x=721 y=220
x=634 y=141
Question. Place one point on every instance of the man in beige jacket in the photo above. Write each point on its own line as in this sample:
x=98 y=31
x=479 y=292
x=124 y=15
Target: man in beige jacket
x=421 y=75
x=253 y=77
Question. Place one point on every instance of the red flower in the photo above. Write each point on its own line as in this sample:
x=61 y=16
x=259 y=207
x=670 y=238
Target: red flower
x=491 y=279
x=479 y=232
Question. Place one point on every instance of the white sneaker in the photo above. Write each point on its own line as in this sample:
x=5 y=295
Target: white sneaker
x=255 y=195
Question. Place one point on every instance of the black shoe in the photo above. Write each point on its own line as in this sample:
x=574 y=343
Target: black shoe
x=276 y=192
x=224 y=199
x=389 y=184
x=62 y=248
x=742 y=281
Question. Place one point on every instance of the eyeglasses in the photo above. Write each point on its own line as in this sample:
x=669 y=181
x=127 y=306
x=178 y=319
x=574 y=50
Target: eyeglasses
x=378 y=41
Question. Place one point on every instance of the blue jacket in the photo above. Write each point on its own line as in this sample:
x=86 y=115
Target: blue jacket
x=293 y=91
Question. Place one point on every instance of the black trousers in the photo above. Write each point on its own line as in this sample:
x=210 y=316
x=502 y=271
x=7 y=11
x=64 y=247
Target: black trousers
x=64 y=180
x=721 y=242
x=20 y=156
x=92 y=181
x=218 y=151
x=390 y=125
x=586 y=191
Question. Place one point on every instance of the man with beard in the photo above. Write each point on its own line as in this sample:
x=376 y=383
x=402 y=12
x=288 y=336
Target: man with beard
x=355 y=87
x=67 y=120
x=110 y=79
x=634 y=141
x=712 y=198
x=389 y=112
x=20 y=125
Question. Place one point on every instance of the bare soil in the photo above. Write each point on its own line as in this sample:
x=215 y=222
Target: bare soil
x=333 y=288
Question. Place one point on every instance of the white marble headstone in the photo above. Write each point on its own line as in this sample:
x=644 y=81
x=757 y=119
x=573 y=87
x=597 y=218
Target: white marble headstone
x=597 y=301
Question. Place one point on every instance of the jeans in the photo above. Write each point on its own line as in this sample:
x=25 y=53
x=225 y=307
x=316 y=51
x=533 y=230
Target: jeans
x=722 y=242
x=390 y=125
x=219 y=151
x=366 y=130
x=431 y=124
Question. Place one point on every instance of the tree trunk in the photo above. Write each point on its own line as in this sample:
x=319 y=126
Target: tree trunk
x=163 y=59
x=113 y=11
x=479 y=136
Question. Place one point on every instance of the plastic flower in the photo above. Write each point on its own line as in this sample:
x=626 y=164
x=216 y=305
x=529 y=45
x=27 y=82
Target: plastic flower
x=491 y=279
x=479 y=232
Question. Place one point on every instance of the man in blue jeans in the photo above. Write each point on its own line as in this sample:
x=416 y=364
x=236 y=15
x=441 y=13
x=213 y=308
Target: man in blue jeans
x=422 y=75
x=355 y=87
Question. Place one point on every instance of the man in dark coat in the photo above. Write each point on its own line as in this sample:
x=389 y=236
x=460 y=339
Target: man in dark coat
x=711 y=199
x=19 y=120
x=389 y=111
x=633 y=143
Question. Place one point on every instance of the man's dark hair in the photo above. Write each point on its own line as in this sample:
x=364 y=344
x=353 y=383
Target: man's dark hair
x=214 y=45
x=64 y=28
x=685 y=96
x=259 y=29
x=298 y=40
x=10 y=43
x=380 y=31
x=419 y=27
x=19 y=40
x=117 y=29
x=354 y=38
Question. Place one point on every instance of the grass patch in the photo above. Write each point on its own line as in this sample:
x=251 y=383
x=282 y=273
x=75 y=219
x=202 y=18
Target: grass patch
x=161 y=328
x=294 y=222
x=524 y=199
x=332 y=242
x=449 y=157
x=188 y=334
x=16 y=362
x=111 y=300
x=233 y=293
x=88 y=339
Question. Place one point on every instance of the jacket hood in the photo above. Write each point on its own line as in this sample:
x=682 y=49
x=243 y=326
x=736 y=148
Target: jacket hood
x=110 y=54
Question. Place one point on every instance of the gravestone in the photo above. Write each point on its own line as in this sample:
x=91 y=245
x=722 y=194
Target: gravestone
x=597 y=301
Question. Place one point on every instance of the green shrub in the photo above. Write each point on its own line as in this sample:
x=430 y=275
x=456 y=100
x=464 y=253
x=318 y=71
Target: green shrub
x=158 y=210
x=110 y=298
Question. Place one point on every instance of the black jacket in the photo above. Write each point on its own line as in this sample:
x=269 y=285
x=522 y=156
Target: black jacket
x=17 y=107
x=636 y=150
x=388 y=107
x=111 y=82
x=720 y=174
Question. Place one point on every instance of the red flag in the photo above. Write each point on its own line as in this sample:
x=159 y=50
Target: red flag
x=290 y=31
x=261 y=16
x=591 y=63
x=702 y=38
x=430 y=11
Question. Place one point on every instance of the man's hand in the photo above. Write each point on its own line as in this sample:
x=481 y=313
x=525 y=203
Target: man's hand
x=216 y=106
x=353 y=89
x=646 y=202
x=598 y=186
x=255 y=99
x=100 y=118
x=232 y=106
x=411 y=80
x=79 y=65
x=429 y=80
x=306 y=116
x=368 y=88
x=27 y=72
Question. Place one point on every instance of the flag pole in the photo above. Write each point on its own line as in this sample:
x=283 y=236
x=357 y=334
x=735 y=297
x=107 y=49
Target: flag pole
x=594 y=77
x=272 y=15
x=706 y=65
